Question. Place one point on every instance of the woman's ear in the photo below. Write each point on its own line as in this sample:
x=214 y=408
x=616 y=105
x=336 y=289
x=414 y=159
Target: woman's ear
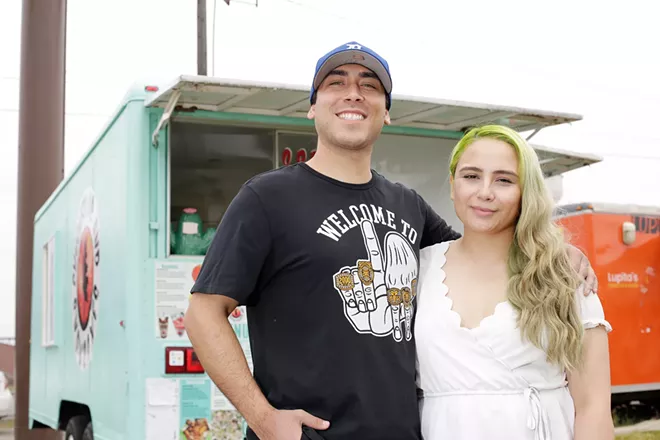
x=451 y=187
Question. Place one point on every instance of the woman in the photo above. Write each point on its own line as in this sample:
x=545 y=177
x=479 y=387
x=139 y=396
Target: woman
x=508 y=346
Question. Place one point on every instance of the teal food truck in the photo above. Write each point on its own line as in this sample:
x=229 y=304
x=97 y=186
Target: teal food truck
x=120 y=241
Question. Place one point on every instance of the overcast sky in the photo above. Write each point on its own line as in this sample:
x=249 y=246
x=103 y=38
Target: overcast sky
x=581 y=57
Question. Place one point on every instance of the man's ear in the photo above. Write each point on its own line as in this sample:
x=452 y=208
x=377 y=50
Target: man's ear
x=312 y=112
x=388 y=121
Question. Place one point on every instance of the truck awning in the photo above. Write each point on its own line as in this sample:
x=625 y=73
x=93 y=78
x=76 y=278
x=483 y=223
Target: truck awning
x=555 y=161
x=260 y=98
x=286 y=100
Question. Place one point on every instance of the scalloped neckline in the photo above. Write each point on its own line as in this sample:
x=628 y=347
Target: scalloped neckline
x=457 y=319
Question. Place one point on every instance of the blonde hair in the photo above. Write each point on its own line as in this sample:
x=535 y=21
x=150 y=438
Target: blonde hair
x=542 y=282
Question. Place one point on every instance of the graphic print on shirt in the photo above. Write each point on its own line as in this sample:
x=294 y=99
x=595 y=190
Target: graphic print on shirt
x=378 y=290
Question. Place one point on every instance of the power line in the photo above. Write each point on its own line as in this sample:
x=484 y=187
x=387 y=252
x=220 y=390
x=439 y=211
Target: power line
x=325 y=13
x=84 y=114
x=630 y=156
x=244 y=2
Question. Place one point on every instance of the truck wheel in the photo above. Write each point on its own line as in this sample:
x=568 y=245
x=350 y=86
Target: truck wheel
x=75 y=428
x=88 y=434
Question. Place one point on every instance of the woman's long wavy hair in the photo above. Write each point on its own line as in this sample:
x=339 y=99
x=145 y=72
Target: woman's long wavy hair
x=542 y=282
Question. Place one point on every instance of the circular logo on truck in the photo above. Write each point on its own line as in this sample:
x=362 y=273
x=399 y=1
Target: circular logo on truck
x=86 y=259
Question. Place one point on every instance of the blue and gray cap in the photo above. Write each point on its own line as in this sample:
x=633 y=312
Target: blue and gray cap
x=353 y=53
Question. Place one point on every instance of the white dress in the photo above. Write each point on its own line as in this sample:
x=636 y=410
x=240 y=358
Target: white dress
x=486 y=382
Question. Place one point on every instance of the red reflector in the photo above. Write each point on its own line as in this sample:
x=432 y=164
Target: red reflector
x=182 y=360
x=192 y=362
x=151 y=88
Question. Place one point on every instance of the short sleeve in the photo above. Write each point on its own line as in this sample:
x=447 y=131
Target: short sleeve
x=436 y=230
x=591 y=310
x=235 y=258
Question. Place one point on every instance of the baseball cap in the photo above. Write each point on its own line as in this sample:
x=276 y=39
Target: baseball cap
x=353 y=53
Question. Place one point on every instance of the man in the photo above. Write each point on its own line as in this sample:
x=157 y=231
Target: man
x=325 y=256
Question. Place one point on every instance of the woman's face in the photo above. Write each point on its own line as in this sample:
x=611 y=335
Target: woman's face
x=486 y=189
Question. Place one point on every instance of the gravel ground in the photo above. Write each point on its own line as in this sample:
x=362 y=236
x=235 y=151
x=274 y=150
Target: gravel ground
x=649 y=425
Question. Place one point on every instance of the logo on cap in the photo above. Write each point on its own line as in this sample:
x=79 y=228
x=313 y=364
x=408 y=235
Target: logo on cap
x=354 y=46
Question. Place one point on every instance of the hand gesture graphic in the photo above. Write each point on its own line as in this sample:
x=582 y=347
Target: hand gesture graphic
x=378 y=298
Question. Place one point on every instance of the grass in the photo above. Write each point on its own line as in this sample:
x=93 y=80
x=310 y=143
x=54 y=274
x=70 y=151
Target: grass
x=651 y=435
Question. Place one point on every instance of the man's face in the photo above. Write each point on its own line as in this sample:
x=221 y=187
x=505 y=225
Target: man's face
x=350 y=109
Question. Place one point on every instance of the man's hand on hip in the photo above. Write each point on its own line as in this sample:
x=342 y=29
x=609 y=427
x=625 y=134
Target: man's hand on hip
x=287 y=425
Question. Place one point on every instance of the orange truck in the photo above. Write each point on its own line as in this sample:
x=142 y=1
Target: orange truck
x=623 y=245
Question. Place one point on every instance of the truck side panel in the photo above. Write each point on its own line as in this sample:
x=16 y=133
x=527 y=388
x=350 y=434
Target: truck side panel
x=87 y=364
x=147 y=203
x=628 y=275
x=629 y=290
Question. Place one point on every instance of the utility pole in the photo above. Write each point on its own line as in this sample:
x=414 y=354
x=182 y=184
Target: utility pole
x=40 y=167
x=201 y=38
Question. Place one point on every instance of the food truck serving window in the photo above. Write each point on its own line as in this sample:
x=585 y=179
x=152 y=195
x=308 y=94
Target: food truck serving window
x=208 y=165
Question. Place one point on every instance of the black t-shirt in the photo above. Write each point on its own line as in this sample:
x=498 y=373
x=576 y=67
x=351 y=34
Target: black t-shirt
x=328 y=272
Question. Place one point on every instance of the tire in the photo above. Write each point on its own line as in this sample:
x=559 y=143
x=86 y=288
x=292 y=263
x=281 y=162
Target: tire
x=88 y=433
x=75 y=428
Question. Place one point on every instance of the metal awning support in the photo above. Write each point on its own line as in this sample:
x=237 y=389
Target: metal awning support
x=164 y=119
x=555 y=161
x=534 y=133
